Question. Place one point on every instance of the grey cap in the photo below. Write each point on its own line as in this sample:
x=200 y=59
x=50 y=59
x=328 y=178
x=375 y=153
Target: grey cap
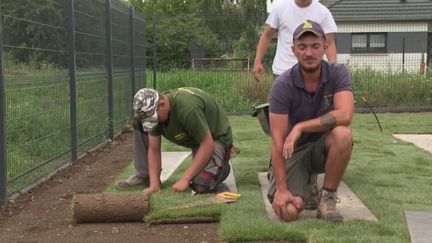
x=145 y=104
x=308 y=26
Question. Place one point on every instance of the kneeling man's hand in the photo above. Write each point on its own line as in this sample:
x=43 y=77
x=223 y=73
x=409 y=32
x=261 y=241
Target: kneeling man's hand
x=181 y=185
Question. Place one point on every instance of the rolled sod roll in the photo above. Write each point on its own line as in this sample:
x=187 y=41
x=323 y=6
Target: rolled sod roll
x=103 y=207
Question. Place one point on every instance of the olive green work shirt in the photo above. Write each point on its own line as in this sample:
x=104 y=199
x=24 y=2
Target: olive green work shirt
x=192 y=115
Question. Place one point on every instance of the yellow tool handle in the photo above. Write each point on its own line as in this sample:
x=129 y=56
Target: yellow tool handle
x=228 y=195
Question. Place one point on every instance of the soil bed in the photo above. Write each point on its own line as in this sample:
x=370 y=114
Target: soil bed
x=44 y=215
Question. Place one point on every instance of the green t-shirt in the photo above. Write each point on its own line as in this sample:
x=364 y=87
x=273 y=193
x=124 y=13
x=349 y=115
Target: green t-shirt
x=193 y=113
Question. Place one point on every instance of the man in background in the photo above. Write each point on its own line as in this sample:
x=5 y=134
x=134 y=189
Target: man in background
x=284 y=17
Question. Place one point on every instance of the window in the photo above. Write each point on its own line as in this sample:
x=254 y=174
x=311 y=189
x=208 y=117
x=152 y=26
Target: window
x=369 y=43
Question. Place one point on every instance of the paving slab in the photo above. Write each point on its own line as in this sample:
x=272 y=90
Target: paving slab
x=419 y=226
x=350 y=206
x=170 y=162
x=423 y=141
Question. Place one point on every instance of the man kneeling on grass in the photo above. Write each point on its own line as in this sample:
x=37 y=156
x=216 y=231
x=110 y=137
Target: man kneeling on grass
x=311 y=107
x=188 y=117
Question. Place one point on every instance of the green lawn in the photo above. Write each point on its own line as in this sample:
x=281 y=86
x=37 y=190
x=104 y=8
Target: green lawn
x=387 y=174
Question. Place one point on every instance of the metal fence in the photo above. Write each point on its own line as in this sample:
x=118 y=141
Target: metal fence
x=390 y=63
x=69 y=72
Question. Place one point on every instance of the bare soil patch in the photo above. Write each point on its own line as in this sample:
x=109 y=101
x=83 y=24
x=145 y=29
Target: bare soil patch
x=44 y=213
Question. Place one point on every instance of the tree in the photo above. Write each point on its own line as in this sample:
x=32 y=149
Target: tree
x=235 y=22
x=218 y=26
x=178 y=25
x=34 y=31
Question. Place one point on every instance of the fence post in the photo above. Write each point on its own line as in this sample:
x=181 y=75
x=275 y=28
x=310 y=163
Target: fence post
x=3 y=161
x=72 y=80
x=145 y=51
x=154 y=52
x=109 y=70
x=428 y=54
x=132 y=53
x=403 y=55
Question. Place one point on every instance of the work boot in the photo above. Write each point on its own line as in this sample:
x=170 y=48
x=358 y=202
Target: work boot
x=327 y=207
x=133 y=180
x=311 y=203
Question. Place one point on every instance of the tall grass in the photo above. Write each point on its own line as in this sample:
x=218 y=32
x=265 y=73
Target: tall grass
x=239 y=92
x=38 y=137
x=222 y=85
x=392 y=89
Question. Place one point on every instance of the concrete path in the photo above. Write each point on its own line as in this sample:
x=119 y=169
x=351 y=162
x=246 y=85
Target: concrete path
x=419 y=226
x=350 y=206
x=423 y=141
x=170 y=162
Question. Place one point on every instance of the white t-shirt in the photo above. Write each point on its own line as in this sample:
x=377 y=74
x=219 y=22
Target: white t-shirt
x=285 y=16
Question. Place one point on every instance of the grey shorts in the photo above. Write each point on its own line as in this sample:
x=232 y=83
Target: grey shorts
x=307 y=159
x=215 y=172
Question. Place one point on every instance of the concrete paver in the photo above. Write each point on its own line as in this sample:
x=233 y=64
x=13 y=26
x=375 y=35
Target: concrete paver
x=423 y=141
x=419 y=225
x=170 y=162
x=350 y=206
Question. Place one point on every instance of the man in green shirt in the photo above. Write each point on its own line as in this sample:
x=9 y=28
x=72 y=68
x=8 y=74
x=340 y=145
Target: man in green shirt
x=188 y=117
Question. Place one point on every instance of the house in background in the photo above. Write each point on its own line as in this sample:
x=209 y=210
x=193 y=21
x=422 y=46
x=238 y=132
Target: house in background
x=384 y=34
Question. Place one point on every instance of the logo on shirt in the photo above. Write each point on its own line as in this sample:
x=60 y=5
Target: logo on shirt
x=180 y=136
x=327 y=104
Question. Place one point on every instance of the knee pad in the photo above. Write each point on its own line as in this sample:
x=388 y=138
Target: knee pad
x=199 y=188
x=202 y=182
x=223 y=173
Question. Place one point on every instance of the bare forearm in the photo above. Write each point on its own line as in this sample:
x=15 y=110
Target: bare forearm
x=331 y=51
x=279 y=131
x=261 y=49
x=278 y=162
x=154 y=167
x=263 y=44
x=325 y=122
x=341 y=115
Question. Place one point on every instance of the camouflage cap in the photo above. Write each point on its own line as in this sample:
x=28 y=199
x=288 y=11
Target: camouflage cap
x=145 y=104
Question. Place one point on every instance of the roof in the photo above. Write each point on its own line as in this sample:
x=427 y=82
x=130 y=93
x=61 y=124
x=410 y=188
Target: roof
x=382 y=10
x=327 y=2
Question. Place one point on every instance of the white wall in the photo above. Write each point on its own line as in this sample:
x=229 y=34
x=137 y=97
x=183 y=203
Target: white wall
x=382 y=27
x=383 y=61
